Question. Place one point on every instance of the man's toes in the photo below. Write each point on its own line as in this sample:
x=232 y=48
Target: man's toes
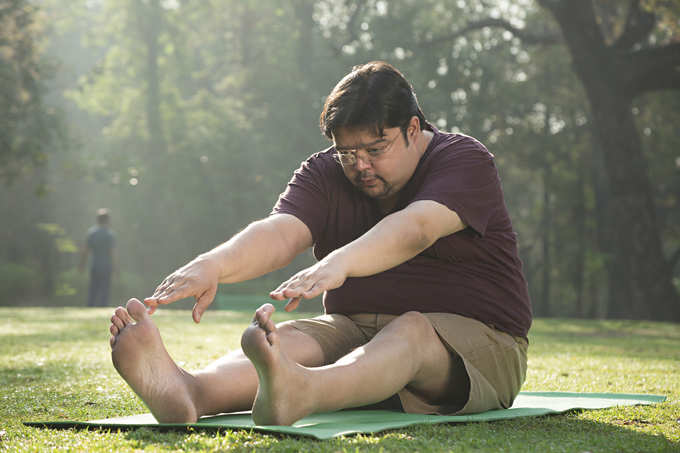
x=272 y=337
x=136 y=309
x=117 y=322
x=114 y=330
x=122 y=315
x=263 y=316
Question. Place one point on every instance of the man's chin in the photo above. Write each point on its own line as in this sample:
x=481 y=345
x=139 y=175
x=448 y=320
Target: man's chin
x=377 y=192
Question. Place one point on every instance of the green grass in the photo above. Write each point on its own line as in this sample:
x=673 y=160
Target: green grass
x=55 y=364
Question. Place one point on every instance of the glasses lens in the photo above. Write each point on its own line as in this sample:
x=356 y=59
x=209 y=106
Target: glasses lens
x=345 y=158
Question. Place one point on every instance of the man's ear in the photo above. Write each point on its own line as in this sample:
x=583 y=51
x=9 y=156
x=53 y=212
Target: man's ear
x=413 y=127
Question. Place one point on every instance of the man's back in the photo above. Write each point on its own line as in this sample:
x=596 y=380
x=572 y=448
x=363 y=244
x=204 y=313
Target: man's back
x=100 y=241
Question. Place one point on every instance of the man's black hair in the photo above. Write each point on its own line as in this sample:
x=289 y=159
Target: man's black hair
x=102 y=216
x=374 y=96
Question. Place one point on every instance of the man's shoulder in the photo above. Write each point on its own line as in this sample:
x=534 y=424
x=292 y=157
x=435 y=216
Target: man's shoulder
x=99 y=233
x=456 y=145
x=322 y=159
x=321 y=165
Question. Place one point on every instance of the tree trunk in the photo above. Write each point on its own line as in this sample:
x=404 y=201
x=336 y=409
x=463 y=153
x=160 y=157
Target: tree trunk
x=545 y=307
x=640 y=276
x=580 y=224
x=153 y=99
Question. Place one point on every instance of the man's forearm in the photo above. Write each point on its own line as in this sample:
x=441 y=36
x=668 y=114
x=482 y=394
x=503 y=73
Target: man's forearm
x=388 y=244
x=262 y=247
x=396 y=239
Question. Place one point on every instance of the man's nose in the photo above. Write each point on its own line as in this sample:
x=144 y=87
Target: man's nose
x=362 y=161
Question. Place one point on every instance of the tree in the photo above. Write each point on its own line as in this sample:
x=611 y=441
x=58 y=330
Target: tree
x=30 y=129
x=613 y=74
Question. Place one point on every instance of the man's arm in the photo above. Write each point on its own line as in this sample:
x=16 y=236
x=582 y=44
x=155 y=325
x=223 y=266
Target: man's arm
x=395 y=239
x=262 y=247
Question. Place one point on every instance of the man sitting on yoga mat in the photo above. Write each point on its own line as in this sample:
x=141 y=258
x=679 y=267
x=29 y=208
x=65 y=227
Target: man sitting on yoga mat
x=426 y=306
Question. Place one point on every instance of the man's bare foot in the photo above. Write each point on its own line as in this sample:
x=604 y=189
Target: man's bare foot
x=283 y=392
x=141 y=359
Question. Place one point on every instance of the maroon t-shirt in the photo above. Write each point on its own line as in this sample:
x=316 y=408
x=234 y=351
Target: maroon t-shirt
x=475 y=272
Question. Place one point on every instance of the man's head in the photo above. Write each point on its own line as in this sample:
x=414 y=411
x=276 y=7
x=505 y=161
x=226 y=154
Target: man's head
x=374 y=120
x=374 y=96
x=103 y=216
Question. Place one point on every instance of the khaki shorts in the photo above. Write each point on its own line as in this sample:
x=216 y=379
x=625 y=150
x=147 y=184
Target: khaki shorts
x=490 y=365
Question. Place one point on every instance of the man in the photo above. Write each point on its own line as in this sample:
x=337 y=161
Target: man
x=99 y=243
x=426 y=307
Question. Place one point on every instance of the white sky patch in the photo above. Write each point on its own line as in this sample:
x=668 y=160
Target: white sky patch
x=443 y=68
x=170 y=4
x=459 y=96
x=521 y=76
x=556 y=125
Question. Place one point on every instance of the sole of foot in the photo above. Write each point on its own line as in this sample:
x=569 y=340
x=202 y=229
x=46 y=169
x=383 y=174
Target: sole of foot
x=143 y=362
x=281 y=392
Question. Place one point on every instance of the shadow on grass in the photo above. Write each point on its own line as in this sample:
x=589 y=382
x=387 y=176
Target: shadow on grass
x=564 y=432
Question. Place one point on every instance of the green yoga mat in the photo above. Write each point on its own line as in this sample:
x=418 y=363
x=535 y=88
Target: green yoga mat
x=325 y=426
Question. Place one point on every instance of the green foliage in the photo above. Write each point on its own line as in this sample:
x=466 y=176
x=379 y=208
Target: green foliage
x=30 y=129
x=55 y=365
x=62 y=243
x=191 y=116
x=16 y=281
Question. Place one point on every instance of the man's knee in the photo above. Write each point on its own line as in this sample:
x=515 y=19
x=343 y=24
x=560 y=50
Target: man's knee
x=299 y=346
x=415 y=326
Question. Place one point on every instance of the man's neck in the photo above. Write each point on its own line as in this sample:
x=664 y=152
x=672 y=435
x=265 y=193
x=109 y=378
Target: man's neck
x=387 y=205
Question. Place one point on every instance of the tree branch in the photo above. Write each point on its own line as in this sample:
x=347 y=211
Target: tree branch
x=357 y=8
x=552 y=4
x=521 y=33
x=651 y=69
x=639 y=24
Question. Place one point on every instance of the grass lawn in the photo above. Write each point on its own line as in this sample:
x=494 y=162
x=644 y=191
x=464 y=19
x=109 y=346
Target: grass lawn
x=55 y=364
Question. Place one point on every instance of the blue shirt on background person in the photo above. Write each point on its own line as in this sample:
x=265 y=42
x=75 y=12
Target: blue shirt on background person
x=99 y=244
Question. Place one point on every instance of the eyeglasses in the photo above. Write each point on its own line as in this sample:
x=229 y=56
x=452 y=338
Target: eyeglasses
x=349 y=158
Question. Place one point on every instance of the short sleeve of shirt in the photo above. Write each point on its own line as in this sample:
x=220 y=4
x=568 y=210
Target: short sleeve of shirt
x=306 y=196
x=462 y=176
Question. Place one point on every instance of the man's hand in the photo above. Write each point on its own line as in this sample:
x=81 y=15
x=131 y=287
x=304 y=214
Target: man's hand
x=197 y=279
x=325 y=275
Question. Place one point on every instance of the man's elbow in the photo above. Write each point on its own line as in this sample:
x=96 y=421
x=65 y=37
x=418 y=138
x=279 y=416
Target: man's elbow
x=424 y=235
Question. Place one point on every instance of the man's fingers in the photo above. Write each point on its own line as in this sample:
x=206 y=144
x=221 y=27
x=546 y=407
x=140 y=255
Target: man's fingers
x=173 y=294
x=292 y=304
x=202 y=303
x=162 y=288
x=314 y=291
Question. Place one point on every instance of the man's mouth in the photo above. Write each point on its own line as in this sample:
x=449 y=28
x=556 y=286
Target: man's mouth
x=367 y=180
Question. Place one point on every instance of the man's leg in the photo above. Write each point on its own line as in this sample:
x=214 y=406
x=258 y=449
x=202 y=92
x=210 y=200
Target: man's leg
x=105 y=288
x=405 y=353
x=174 y=395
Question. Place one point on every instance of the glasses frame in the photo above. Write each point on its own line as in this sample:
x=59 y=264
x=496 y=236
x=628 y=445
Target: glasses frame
x=349 y=158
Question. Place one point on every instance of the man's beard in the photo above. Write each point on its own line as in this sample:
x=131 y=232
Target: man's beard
x=358 y=182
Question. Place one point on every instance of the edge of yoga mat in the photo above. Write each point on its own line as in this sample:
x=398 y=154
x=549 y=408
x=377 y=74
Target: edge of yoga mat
x=328 y=425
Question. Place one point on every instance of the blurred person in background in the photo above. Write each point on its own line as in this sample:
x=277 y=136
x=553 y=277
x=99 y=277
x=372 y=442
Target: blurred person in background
x=99 y=246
